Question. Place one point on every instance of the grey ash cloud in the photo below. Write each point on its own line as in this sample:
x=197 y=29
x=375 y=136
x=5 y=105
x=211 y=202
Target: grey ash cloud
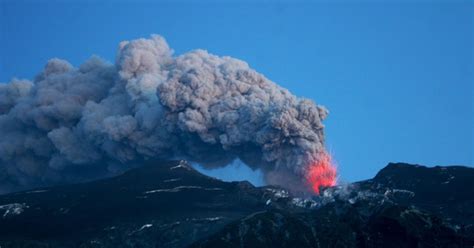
x=75 y=124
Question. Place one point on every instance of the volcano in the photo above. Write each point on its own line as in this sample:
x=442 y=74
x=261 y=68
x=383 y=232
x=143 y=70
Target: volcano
x=170 y=204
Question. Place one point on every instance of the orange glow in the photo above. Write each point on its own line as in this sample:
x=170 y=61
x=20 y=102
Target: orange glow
x=322 y=173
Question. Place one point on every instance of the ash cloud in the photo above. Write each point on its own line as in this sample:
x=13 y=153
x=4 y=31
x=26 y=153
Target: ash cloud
x=76 y=124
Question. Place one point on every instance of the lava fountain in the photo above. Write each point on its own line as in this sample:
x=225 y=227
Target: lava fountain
x=322 y=173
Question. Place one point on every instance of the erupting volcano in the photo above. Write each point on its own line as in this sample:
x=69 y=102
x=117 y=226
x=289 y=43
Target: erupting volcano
x=322 y=173
x=72 y=124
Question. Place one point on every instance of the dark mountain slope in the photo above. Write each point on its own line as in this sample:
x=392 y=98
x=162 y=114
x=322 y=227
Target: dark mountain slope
x=169 y=204
x=403 y=206
x=169 y=201
x=443 y=191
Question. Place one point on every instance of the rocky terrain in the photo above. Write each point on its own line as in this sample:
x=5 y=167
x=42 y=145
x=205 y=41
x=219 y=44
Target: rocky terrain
x=169 y=204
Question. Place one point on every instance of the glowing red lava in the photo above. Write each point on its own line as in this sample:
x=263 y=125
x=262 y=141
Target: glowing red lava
x=322 y=173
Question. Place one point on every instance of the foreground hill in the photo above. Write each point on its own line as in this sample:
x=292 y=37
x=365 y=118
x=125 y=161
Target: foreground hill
x=169 y=204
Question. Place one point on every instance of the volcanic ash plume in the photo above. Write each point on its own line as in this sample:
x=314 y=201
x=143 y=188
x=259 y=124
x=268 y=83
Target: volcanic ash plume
x=74 y=124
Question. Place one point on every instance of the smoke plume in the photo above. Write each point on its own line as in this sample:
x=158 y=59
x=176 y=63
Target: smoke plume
x=75 y=124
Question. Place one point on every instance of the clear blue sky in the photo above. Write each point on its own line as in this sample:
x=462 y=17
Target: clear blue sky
x=396 y=76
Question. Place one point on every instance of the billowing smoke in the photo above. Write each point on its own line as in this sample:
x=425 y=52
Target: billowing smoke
x=75 y=124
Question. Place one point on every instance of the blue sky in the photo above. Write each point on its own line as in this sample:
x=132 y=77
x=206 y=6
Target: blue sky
x=397 y=76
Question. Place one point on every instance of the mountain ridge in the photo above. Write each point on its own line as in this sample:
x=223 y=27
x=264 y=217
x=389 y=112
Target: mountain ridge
x=170 y=204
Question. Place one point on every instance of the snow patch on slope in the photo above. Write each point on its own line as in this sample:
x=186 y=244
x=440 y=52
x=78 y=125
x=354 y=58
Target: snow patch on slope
x=13 y=209
x=179 y=188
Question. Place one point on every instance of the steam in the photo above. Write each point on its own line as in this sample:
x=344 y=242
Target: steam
x=75 y=124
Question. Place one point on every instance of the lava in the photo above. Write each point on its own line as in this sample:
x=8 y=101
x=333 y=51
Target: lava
x=322 y=173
